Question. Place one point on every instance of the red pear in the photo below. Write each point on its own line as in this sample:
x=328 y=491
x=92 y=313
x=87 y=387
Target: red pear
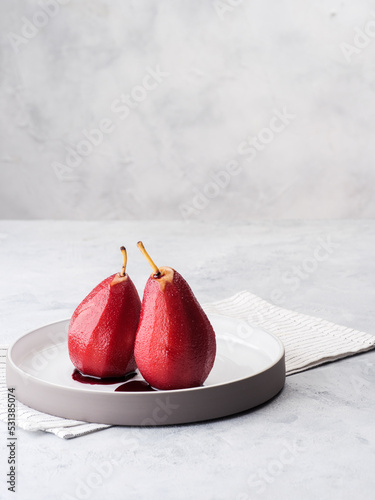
x=103 y=327
x=175 y=344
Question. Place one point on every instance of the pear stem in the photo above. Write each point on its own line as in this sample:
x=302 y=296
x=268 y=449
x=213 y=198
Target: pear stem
x=125 y=259
x=155 y=268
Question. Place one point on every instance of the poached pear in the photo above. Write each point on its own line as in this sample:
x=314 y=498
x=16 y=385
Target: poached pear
x=102 y=329
x=175 y=344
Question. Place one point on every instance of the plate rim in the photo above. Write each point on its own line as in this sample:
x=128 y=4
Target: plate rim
x=150 y=393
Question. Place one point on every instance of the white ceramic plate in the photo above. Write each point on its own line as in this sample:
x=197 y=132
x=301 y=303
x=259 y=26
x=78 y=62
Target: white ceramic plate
x=249 y=369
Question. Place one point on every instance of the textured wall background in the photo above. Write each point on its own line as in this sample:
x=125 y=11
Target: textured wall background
x=208 y=110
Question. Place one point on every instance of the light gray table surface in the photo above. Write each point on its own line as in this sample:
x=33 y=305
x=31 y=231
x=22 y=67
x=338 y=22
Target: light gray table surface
x=315 y=440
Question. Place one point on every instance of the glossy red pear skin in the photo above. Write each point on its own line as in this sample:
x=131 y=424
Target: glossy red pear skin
x=103 y=327
x=175 y=345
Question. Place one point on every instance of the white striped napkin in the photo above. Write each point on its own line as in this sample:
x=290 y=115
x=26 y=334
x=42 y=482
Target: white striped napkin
x=308 y=342
x=33 y=420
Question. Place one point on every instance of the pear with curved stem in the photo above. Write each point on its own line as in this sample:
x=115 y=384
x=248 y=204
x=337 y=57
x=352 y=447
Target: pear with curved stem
x=103 y=327
x=175 y=344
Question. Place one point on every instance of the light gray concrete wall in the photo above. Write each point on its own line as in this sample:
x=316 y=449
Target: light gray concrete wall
x=209 y=110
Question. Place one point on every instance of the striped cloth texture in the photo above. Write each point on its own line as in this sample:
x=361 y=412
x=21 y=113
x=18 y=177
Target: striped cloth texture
x=308 y=342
